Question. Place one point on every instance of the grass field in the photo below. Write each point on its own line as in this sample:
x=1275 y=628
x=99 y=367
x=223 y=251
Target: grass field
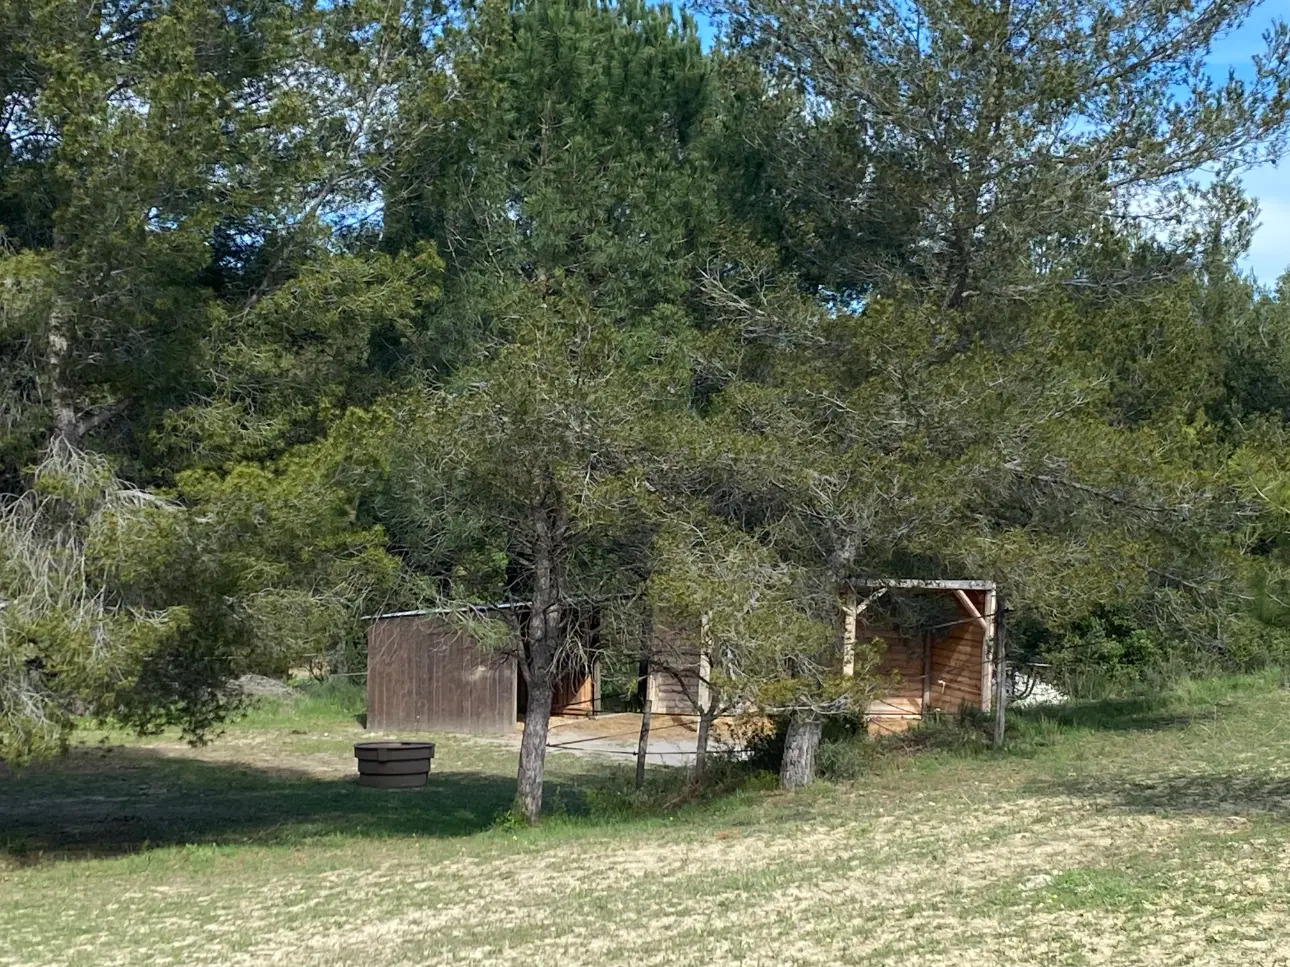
x=1139 y=832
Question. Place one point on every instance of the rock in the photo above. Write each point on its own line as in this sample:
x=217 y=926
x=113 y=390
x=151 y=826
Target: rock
x=1036 y=693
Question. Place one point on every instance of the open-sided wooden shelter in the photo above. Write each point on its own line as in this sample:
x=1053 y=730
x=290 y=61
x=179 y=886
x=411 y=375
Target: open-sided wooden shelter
x=942 y=668
x=430 y=671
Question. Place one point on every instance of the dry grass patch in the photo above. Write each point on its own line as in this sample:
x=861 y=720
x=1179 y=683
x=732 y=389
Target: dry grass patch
x=1164 y=845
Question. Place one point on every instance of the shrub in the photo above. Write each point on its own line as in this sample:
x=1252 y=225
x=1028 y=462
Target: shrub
x=763 y=745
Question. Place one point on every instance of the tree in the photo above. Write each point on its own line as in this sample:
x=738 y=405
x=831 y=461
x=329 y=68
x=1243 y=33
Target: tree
x=186 y=284
x=1018 y=132
x=563 y=311
x=559 y=175
x=1072 y=463
x=70 y=635
x=517 y=485
x=168 y=168
x=1005 y=209
x=118 y=603
x=768 y=634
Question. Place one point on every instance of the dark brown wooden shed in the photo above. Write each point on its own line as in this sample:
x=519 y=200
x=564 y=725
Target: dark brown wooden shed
x=429 y=671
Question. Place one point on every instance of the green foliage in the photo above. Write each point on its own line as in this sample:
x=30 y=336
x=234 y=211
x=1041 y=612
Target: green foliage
x=121 y=604
x=990 y=145
x=331 y=337
x=328 y=701
x=569 y=264
x=771 y=642
x=1113 y=644
x=198 y=167
x=763 y=743
x=563 y=153
x=394 y=302
x=75 y=631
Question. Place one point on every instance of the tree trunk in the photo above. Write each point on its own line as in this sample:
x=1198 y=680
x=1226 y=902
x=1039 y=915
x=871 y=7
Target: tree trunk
x=798 y=766
x=544 y=635
x=66 y=425
x=706 y=717
x=537 y=722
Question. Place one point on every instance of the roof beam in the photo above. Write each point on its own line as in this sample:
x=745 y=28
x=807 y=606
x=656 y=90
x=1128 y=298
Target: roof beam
x=931 y=584
x=970 y=608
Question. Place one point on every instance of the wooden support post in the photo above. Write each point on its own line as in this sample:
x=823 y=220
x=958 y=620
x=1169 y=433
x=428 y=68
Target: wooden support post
x=927 y=672
x=849 y=615
x=595 y=688
x=642 y=746
x=704 y=666
x=851 y=612
x=1000 y=677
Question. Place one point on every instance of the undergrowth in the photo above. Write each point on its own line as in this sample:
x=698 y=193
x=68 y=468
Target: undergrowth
x=847 y=753
x=312 y=701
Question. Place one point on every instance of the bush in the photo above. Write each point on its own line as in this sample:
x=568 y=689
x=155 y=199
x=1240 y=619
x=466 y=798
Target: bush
x=1110 y=654
x=668 y=790
x=763 y=746
x=1254 y=645
x=844 y=759
x=620 y=681
x=845 y=751
x=331 y=698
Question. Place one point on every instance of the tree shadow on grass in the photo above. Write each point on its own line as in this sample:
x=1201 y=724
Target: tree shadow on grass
x=1181 y=794
x=112 y=801
x=1032 y=732
x=1110 y=715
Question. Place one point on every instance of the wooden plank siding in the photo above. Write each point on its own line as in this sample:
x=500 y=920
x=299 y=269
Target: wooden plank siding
x=424 y=673
x=427 y=672
x=946 y=669
x=956 y=669
x=575 y=694
x=676 y=679
x=903 y=656
x=674 y=690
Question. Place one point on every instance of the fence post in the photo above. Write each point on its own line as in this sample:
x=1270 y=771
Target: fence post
x=642 y=747
x=1000 y=674
x=595 y=688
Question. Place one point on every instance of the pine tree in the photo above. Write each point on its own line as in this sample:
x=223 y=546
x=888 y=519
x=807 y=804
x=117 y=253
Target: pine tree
x=176 y=183
x=991 y=142
x=180 y=287
x=559 y=175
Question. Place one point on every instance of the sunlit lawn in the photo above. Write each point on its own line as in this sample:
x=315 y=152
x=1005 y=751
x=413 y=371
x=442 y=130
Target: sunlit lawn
x=1132 y=832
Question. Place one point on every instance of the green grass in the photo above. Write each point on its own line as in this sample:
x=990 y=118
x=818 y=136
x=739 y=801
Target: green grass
x=1148 y=830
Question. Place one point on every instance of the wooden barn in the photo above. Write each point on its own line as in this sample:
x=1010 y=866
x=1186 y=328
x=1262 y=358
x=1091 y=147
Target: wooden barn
x=431 y=671
x=944 y=667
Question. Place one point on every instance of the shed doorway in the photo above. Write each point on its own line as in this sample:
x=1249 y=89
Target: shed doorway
x=941 y=640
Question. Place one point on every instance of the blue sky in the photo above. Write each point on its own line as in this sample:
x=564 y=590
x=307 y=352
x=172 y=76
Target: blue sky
x=1270 y=254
